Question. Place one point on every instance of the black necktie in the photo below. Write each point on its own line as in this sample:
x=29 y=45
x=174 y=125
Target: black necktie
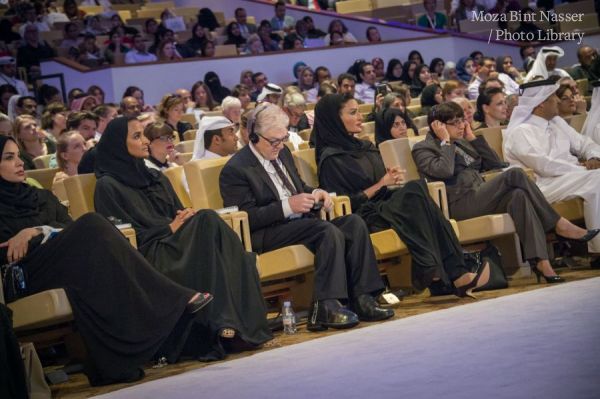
x=286 y=182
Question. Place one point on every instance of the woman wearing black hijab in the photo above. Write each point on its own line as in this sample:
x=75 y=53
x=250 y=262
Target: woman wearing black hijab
x=219 y=92
x=408 y=72
x=430 y=97
x=124 y=310
x=353 y=167
x=195 y=249
x=419 y=80
x=392 y=123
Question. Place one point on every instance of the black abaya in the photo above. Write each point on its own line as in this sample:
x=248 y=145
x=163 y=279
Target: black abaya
x=122 y=307
x=204 y=254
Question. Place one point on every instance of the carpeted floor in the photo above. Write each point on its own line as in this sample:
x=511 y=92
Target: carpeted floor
x=537 y=344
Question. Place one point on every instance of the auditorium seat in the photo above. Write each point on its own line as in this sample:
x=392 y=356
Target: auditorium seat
x=43 y=161
x=577 y=121
x=305 y=134
x=176 y=177
x=368 y=128
x=191 y=119
x=190 y=135
x=569 y=209
x=588 y=22
x=420 y=121
x=498 y=228
x=185 y=146
x=186 y=156
x=582 y=86
x=43 y=176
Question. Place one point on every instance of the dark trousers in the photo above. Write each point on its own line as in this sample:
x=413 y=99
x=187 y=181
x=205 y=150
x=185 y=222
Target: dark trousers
x=514 y=193
x=345 y=264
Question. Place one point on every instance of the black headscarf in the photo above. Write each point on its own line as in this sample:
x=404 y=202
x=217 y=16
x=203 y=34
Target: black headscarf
x=405 y=68
x=500 y=63
x=16 y=199
x=389 y=74
x=113 y=158
x=428 y=95
x=384 y=122
x=417 y=85
x=218 y=91
x=329 y=130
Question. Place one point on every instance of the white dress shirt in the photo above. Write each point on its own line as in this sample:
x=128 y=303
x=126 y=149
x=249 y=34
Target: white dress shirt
x=365 y=93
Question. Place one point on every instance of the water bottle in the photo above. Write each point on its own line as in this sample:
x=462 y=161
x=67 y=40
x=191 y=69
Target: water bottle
x=288 y=318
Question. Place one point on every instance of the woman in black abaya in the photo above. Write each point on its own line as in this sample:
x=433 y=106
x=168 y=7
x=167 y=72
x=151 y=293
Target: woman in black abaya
x=125 y=311
x=195 y=249
x=353 y=167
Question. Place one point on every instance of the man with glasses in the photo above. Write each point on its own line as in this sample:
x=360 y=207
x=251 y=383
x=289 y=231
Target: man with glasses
x=261 y=179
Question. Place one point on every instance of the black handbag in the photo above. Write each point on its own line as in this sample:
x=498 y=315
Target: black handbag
x=475 y=260
x=13 y=282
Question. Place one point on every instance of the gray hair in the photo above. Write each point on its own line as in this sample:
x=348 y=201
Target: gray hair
x=294 y=100
x=230 y=102
x=266 y=117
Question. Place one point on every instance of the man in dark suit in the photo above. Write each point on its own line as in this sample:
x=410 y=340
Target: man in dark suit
x=241 y=18
x=262 y=180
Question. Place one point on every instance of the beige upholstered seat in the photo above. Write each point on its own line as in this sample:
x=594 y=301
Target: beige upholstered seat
x=176 y=177
x=43 y=176
x=189 y=135
x=498 y=228
x=42 y=162
x=368 y=128
x=191 y=119
x=420 y=121
x=577 y=121
x=185 y=146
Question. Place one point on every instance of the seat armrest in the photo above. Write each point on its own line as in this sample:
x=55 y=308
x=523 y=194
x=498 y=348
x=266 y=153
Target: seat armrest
x=239 y=223
x=437 y=191
x=341 y=206
x=129 y=233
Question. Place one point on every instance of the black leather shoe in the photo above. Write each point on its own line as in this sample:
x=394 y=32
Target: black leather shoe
x=367 y=309
x=330 y=313
x=586 y=237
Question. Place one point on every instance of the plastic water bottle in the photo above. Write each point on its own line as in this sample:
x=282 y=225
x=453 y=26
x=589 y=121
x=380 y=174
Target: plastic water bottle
x=288 y=318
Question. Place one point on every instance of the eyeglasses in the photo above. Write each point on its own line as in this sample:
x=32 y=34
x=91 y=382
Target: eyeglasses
x=274 y=142
x=166 y=139
x=456 y=122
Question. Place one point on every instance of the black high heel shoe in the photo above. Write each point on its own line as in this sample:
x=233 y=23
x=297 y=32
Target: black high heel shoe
x=465 y=290
x=549 y=279
x=586 y=237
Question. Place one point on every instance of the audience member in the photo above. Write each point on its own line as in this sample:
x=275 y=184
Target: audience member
x=271 y=93
x=85 y=123
x=450 y=72
x=254 y=45
x=465 y=69
x=31 y=140
x=32 y=51
x=436 y=66
x=312 y=32
x=166 y=51
x=138 y=94
x=345 y=266
x=338 y=26
x=270 y=41
x=207 y=19
x=281 y=21
x=415 y=57
x=347 y=84
x=130 y=106
x=6 y=128
x=171 y=109
x=453 y=89
x=70 y=147
x=242 y=19
x=322 y=74
x=54 y=120
x=208 y=49
x=71 y=36
x=162 y=153
x=353 y=167
x=84 y=103
x=565 y=166
x=379 y=67
x=430 y=97
x=508 y=74
x=216 y=138
x=392 y=123
x=26 y=105
x=491 y=108
x=242 y=92
x=373 y=35
x=218 y=91
x=432 y=19
x=129 y=314
x=259 y=80
x=408 y=72
x=6 y=92
x=294 y=106
x=105 y=114
x=202 y=96
x=198 y=39
x=139 y=53
x=365 y=89
x=232 y=109
x=468 y=10
x=234 y=35
x=566 y=102
x=220 y=265
x=587 y=57
x=468 y=111
x=545 y=64
x=8 y=75
x=421 y=78
x=453 y=154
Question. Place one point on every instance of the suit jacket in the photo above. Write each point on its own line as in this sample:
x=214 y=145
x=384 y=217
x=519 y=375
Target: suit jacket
x=438 y=162
x=245 y=183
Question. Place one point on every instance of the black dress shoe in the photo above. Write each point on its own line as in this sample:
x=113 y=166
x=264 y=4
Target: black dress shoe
x=586 y=237
x=367 y=309
x=330 y=313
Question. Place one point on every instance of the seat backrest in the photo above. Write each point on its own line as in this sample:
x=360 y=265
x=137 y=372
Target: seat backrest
x=177 y=177
x=365 y=108
x=222 y=50
x=576 y=122
x=307 y=166
x=43 y=176
x=186 y=156
x=42 y=162
x=80 y=192
x=397 y=152
x=368 y=128
x=189 y=135
x=185 y=146
x=189 y=118
x=203 y=180
x=305 y=134
x=582 y=86
x=493 y=136
x=420 y=121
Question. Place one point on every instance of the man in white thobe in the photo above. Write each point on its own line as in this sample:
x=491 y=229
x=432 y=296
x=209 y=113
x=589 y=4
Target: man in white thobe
x=215 y=138
x=538 y=138
x=591 y=127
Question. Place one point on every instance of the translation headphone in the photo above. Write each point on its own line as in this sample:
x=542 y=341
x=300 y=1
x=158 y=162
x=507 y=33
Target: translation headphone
x=252 y=135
